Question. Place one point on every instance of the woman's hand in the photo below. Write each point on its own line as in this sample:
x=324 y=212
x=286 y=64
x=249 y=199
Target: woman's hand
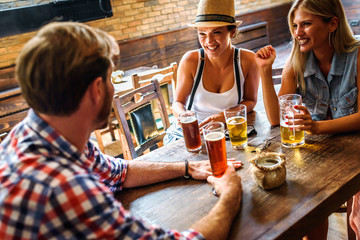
x=304 y=120
x=219 y=117
x=265 y=56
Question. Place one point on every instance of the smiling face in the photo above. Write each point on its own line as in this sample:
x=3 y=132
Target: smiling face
x=311 y=31
x=215 y=40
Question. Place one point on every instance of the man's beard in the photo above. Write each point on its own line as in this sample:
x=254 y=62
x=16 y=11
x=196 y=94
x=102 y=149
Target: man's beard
x=103 y=115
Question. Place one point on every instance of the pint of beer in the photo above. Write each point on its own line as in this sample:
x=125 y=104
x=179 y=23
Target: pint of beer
x=190 y=128
x=237 y=126
x=216 y=149
x=290 y=137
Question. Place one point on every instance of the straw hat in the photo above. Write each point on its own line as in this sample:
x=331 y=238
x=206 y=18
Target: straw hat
x=215 y=13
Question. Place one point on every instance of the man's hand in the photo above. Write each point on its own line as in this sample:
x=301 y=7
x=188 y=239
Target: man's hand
x=200 y=170
x=228 y=186
x=230 y=190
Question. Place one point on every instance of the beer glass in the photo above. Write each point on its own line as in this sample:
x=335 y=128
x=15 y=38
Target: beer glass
x=290 y=137
x=215 y=144
x=190 y=128
x=236 y=123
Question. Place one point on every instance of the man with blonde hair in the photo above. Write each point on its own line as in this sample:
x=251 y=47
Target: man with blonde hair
x=54 y=183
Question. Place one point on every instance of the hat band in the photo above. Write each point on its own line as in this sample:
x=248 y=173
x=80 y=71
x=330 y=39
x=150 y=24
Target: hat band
x=214 y=18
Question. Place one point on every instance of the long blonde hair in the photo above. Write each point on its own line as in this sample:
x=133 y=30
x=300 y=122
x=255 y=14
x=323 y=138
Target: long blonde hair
x=342 y=39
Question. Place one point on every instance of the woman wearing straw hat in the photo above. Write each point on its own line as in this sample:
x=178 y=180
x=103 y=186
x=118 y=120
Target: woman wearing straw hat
x=218 y=76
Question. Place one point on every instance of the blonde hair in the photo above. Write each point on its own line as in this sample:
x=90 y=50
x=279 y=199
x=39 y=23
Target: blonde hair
x=342 y=39
x=58 y=64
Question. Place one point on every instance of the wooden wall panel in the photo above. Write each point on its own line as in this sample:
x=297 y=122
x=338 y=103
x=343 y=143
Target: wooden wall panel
x=162 y=49
x=7 y=78
x=159 y=49
x=276 y=18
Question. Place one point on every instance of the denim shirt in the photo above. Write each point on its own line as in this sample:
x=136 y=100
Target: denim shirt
x=338 y=92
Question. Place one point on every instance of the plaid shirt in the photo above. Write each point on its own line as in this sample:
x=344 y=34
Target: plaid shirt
x=49 y=189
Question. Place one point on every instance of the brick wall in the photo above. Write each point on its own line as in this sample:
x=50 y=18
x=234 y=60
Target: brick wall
x=131 y=19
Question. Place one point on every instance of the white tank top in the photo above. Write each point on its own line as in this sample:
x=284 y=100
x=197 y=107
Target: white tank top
x=209 y=103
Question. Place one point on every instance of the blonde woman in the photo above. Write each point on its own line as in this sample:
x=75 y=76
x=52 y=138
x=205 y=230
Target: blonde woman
x=324 y=68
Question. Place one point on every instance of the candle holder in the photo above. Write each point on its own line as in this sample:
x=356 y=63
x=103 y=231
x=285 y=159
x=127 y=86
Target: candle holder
x=268 y=170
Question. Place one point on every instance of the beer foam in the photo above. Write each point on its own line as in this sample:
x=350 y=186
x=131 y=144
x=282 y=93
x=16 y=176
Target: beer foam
x=214 y=136
x=188 y=120
x=236 y=120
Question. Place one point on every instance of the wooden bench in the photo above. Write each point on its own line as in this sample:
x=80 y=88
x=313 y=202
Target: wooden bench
x=252 y=36
x=159 y=49
x=7 y=78
x=13 y=107
x=162 y=49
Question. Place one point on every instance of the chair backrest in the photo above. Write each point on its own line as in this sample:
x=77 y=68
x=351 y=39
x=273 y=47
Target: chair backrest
x=13 y=109
x=166 y=76
x=136 y=105
x=277 y=74
x=2 y=136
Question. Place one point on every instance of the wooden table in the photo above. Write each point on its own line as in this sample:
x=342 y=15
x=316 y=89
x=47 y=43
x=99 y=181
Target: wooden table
x=320 y=177
x=126 y=84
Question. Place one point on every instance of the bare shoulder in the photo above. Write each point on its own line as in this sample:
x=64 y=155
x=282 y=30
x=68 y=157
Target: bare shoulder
x=247 y=59
x=190 y=57
x=248 y=63
x=247 y=54
x=189 y=62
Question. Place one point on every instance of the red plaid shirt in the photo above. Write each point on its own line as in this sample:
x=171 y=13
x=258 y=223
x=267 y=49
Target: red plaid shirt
x=49 y=189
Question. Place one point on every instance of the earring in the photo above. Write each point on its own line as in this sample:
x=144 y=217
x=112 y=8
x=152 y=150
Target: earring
x=330 y=39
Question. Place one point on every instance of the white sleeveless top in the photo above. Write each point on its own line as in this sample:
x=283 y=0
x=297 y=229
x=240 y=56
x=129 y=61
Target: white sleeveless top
x=208 y=103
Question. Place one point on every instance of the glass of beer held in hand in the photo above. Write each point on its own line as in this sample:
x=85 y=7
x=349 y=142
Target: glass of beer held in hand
x=290 y=137
x=190 y=128
x=237 y=126
x=215 y=144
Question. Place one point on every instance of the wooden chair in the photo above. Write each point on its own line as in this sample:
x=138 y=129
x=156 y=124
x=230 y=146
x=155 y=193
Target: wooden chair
x=13 y=109
x=141 y=118
x=110 y=128
x=277 y=74
x=167 y=78
x=2 y=136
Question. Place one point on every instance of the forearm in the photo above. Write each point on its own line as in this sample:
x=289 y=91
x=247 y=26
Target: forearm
x=269 y=96
x=250 y=104
x=141 y=173
x=344 y=124
x=178 y=108
x=217 y=223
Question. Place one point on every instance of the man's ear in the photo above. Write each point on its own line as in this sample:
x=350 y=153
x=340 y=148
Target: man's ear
x=334 y=23
x=96 y=90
